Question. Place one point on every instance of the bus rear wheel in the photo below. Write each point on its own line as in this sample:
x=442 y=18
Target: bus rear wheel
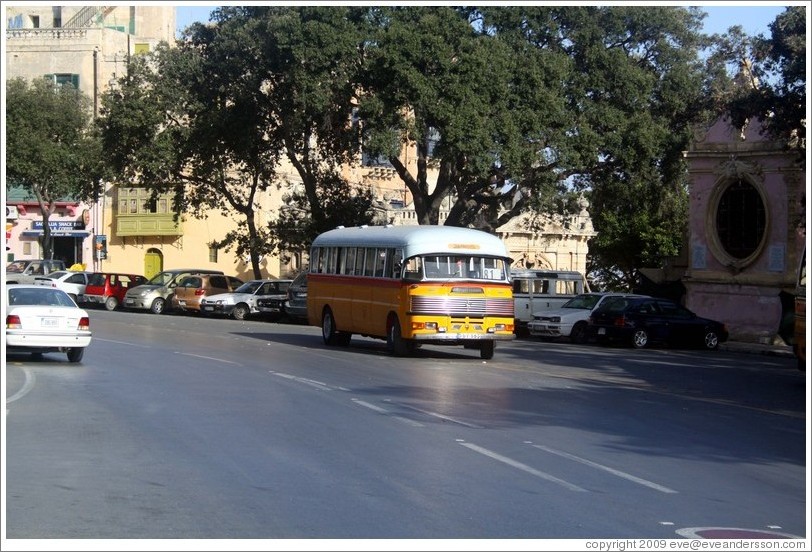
x=329 y=333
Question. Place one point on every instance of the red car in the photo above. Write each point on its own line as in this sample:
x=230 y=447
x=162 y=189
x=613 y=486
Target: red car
x=108 y=288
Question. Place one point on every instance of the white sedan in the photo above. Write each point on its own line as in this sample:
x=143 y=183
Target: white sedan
x=572 y=319
x=42 y=319
x=71 y=282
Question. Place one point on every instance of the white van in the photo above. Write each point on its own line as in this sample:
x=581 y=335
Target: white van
x=536 y=291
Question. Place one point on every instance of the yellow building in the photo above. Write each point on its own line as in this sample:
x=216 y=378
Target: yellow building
x=89 y=46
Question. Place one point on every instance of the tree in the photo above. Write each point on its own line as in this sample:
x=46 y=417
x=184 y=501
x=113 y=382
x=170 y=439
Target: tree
x=778 y=92
x=526 y=107
x=310 y=59
x=189 y=120
x=51 y=149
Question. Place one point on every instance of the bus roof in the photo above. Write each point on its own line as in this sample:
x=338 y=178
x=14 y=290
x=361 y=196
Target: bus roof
x=417 y=240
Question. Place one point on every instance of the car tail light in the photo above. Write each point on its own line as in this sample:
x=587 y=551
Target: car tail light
x=84 y=323
x=13 y=322
x=200 y=292
x=620 y=321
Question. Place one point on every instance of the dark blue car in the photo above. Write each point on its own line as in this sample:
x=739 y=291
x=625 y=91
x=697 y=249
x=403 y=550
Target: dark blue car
x=645 y=320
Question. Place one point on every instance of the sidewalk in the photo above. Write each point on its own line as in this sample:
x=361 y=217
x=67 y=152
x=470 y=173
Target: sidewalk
x=757 y=348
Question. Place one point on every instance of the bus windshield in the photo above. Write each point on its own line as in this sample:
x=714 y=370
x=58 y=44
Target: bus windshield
x=454 y=267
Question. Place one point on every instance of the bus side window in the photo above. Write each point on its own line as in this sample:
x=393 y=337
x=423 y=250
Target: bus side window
x=350 y=264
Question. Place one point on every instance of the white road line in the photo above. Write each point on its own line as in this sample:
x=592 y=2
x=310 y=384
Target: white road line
x=387 y=413
x=312 y=383
x=442 y=416
x=208 y=358
x=30 y=380
x=121 y=342
x=523 y=467
x=613 y=471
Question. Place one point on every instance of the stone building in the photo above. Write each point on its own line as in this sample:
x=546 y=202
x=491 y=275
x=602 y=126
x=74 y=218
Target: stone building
x=89 y=47
x=746 y=231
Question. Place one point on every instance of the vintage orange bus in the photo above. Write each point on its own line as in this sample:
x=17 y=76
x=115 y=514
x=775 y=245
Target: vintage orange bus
x=411 y=285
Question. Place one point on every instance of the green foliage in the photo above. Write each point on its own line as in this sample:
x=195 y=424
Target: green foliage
x=294 y=228
x=51 y=148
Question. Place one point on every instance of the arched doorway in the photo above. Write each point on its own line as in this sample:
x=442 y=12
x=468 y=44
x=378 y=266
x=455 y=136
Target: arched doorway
x=153 y=262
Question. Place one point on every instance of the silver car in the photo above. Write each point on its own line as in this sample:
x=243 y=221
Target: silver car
x=296 y=305
x=156 y=295
x=253 y=297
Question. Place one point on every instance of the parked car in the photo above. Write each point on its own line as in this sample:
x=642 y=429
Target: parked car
x=109 y=288
x=253 y=297
x=296 y=305
x=644 y=320
x=192 y=289
x=25 y=271
x=156 y=295
x=572 y=318
x=72 y=283
x=42 y=319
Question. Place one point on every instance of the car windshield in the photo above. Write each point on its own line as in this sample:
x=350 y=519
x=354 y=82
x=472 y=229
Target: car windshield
x=44 y=297
x=582 y=302
x=95 y=279
x=56 y=275
x=16 y=267
x=162 y=278
x=248 y=287
x=465 y=267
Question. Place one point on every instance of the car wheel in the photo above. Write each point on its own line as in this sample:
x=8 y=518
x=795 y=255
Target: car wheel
x=711 y=340
x=486 y=350
x=111 y=303
x=240 y=312
x=640 y=339
x=75 y=354
x=578 y=333
x=158 y=306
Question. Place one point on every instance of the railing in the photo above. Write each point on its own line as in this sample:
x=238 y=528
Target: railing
x=86 y=15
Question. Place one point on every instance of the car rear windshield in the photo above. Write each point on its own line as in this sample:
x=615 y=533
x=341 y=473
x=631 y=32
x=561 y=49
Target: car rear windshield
x=615 y=304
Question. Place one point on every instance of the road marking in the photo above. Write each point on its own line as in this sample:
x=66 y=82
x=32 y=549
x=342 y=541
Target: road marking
x=613 y=471
x=523 y=467
x=30 y=380
x=312 y=383
x=121 y=342
x=208 y=358
x=441 y=416
x=385 y=412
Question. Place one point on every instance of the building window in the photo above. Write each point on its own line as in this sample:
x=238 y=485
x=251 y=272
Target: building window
x=35 y=21
x=740 y=219
x=64 y=79
x=212 y=254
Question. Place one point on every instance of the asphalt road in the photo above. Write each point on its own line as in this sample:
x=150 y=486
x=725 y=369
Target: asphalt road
x=180 y=427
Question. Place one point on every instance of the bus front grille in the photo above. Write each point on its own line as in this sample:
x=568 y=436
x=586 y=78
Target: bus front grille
x=462 y=306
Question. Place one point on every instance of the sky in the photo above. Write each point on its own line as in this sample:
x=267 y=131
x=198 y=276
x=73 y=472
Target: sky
x=753 y=16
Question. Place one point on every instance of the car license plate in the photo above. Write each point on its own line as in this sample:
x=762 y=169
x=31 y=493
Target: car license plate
x=601 y=331
x=208 y=308
x=129 y=301
x=50 y=322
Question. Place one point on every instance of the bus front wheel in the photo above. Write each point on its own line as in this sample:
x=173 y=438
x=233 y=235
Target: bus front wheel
x=394 y=341
x=486 y=350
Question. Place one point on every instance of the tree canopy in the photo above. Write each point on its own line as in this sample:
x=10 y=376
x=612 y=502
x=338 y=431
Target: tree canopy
x=516 y=109
x=51 y=148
